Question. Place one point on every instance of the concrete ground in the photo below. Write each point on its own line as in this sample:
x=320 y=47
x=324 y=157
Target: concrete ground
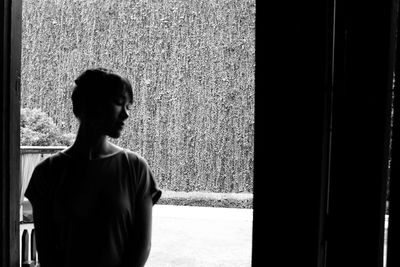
x=186 y=236
x=201 y=237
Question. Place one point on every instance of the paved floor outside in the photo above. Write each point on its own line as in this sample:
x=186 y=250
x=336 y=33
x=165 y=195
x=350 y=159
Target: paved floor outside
x=201 y=237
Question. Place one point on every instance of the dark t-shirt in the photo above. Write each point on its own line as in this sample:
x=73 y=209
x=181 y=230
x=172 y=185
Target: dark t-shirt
x=90 y=205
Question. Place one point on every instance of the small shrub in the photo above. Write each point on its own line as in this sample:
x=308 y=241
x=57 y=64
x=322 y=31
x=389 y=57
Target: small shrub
x=39 y=129
x=67 y=139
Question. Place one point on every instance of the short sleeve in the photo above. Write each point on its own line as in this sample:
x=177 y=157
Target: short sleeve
x=147 y=184
x=38 y=189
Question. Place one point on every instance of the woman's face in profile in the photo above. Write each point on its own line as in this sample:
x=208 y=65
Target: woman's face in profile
x=117 y=113
x=109 y=118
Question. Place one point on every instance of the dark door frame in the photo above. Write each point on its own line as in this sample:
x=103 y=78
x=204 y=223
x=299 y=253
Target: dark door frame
x=321 y=188
x=364 y=63
x=10 y=104
x=393 y=258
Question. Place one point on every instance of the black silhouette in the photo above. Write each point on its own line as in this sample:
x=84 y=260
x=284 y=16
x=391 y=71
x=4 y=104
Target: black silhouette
x=92 y=203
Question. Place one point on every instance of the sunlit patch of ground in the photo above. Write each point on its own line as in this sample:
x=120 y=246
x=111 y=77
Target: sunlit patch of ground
x=199 y=236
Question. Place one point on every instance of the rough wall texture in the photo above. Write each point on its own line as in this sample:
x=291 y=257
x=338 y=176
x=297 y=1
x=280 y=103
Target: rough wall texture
x=192 y=66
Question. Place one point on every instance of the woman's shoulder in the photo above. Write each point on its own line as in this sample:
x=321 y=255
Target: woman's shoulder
x=42 y=174
x=137 y=160
x=45 y=169
x=135 y=156
x=49 y=160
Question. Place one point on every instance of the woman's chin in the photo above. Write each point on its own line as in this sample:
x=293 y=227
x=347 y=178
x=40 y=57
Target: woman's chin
x=115 y=134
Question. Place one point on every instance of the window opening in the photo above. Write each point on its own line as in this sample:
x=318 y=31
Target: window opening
x=192 y=67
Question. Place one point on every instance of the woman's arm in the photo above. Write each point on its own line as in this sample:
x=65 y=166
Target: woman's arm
x=139 y=251
x=44 y=233
x=38 y=194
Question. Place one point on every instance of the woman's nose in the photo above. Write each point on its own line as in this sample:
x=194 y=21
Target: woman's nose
x=124 y=114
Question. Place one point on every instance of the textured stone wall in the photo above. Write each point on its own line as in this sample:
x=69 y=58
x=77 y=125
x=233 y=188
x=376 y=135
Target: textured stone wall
x=192 y=66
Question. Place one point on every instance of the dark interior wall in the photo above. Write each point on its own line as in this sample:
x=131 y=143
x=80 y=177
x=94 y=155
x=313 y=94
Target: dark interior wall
x=291 y=87
x=298 y=66
x=360 y=137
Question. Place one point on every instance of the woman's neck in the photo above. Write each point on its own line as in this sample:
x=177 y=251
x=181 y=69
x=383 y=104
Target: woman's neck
x=88 y=145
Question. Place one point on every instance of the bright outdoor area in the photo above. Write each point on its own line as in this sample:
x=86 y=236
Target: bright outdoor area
x=192 y=67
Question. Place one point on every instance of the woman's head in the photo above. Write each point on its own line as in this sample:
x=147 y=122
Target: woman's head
x=94 y=87
x=97 y=97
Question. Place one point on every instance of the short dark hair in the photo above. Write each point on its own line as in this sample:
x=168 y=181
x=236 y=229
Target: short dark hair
x=96 y=86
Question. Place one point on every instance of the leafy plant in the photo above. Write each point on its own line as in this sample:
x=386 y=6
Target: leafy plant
x=39 y=129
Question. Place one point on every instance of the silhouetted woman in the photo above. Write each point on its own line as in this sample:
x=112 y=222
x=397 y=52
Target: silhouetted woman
x=92 y=203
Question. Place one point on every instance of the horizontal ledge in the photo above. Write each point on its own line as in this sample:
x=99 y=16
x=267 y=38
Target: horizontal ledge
x=41 y=149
